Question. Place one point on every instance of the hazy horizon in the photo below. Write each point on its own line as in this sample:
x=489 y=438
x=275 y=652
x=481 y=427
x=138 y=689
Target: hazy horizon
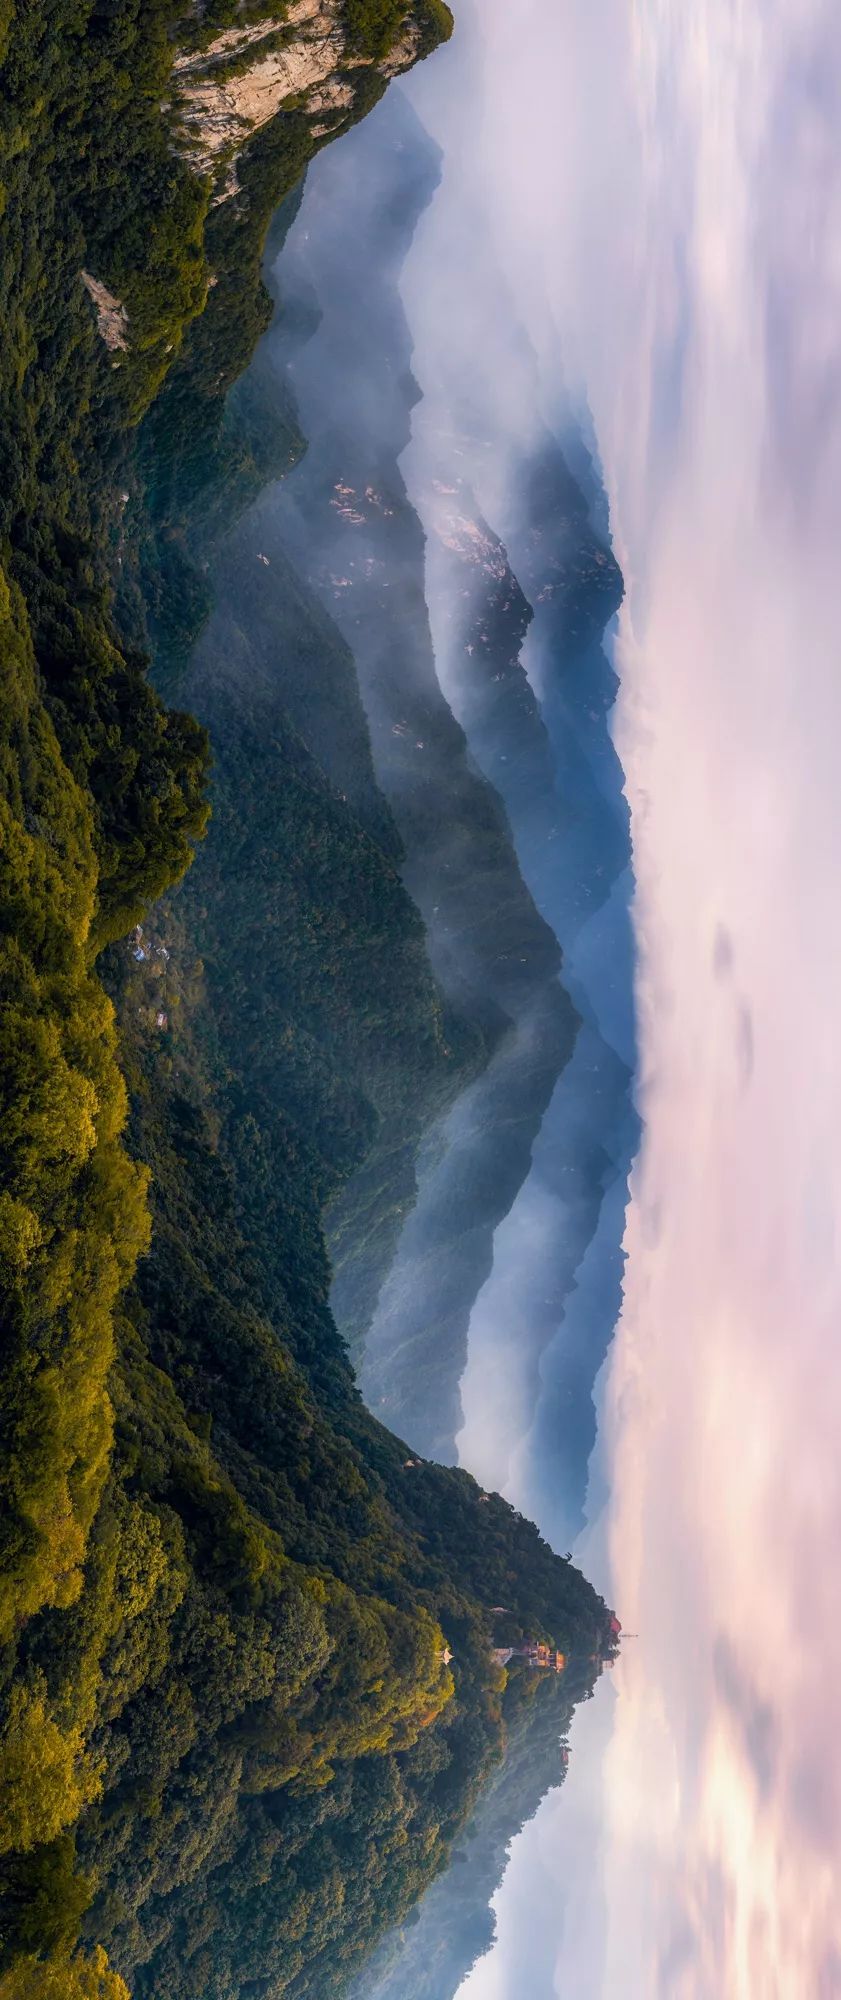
x=660 y=192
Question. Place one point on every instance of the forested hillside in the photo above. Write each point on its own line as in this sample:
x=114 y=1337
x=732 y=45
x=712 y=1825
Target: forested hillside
x=344 y=513
x=234 y=1743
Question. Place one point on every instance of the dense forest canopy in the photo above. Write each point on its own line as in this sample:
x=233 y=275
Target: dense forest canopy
x=245 y=1651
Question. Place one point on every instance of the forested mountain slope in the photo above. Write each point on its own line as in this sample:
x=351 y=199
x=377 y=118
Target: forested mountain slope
x=344 y=344
x=504 y=801
x=233 y=1743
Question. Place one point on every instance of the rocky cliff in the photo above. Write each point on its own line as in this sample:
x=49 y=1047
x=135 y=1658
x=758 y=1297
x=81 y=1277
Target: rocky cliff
x=228 y=88
x=237 y=1630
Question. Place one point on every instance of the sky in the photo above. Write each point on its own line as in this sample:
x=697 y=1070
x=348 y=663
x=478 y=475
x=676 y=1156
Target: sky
x=659 y=185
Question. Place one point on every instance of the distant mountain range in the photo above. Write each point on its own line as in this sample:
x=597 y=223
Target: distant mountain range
x=510 y=808
x=248 y=1693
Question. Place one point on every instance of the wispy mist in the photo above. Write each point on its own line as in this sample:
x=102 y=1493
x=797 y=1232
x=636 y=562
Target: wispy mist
x=512 y=502
x=490 y=739
x=661 y=189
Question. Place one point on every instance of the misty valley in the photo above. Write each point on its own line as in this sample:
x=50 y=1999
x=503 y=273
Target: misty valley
x=318 y=1038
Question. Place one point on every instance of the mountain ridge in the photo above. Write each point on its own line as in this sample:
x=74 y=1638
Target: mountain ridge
x=223 y=1589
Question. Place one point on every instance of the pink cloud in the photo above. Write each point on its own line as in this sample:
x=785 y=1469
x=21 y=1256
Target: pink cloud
x=663 y=184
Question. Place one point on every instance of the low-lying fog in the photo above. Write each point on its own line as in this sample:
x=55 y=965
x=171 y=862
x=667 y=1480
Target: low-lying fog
x=661 y=189
x=514 y=1267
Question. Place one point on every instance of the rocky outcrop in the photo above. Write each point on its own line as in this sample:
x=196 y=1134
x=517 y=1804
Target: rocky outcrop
x=111 y=315
x=305 y=62
x=404 y=53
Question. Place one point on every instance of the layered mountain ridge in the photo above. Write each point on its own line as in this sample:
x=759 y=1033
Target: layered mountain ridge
x=240 y=1631
x=548 y=585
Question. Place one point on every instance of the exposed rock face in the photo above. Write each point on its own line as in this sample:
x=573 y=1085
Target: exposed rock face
x=330 y=103
x=219 y=112
x=111 y=315
x=231 y=42
x=404 y=52
x=220 y=109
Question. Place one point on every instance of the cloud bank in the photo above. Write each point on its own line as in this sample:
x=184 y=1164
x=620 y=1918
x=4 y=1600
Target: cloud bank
x=661 y=186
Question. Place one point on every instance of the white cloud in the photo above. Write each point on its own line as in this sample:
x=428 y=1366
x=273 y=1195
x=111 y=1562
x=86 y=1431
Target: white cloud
x=662 y=182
